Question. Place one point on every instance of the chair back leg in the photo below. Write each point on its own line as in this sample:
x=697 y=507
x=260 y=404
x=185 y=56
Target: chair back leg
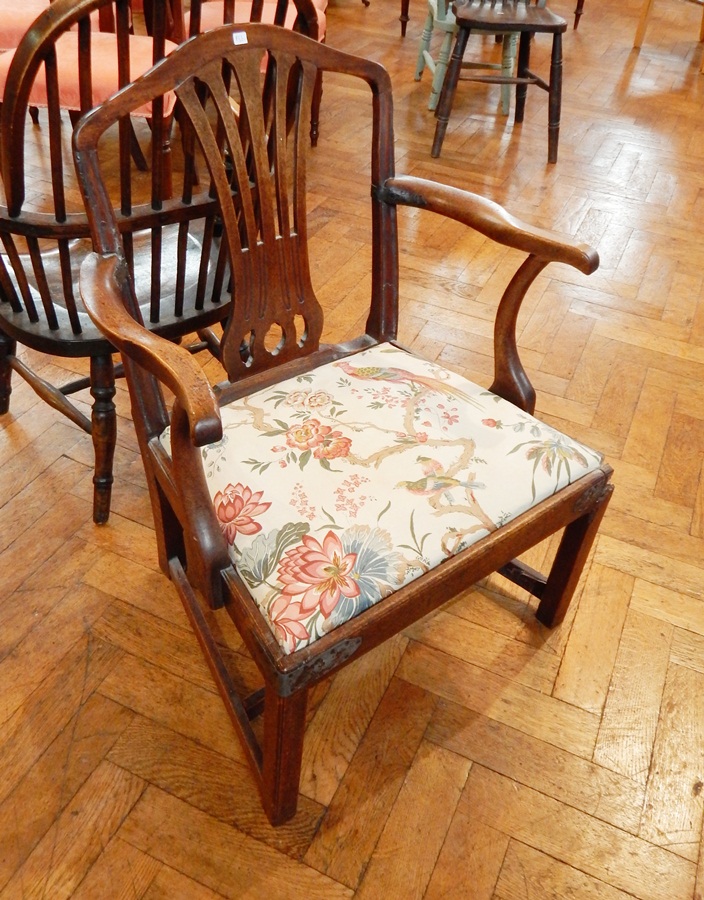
x=569 y=562
x=555 y=97
x=103 y=432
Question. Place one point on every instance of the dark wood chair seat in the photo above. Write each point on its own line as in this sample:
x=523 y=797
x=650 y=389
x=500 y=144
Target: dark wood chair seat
x=324 y=496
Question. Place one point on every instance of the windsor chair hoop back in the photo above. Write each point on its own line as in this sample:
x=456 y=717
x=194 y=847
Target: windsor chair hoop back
x=44 y=234
x=324 y=495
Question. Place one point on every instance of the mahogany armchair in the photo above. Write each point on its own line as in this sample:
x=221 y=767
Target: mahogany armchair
x=324 y=496
x=44 y=231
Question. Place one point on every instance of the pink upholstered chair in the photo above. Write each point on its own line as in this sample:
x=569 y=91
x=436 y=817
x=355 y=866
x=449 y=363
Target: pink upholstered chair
x=16 y=18
x=88 y=71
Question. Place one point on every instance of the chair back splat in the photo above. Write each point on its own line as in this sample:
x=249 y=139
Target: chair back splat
x=326 y=495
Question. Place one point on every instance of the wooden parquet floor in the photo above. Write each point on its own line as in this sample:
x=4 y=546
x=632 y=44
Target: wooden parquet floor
x=478 y=755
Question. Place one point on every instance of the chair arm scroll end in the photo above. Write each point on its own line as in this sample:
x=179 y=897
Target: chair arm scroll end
x=104 y=286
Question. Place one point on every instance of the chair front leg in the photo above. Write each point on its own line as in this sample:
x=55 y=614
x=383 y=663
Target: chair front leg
x=103 y=432
x=282 y=752
x=8 y=348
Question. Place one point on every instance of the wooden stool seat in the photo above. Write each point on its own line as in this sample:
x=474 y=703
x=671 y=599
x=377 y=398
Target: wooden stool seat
x=526 y=18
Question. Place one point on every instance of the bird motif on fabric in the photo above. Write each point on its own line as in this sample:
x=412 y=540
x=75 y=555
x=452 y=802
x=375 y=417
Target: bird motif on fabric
x=393 y=375
x=435 y=482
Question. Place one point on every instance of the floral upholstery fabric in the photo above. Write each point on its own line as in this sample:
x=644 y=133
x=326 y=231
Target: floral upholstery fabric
x=337 y=487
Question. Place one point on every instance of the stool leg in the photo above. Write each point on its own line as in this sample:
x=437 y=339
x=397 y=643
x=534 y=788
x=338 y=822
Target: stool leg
x=523 y=64
x=447 y=95
x=578 y=13
x=555 y=97
x=507 y=62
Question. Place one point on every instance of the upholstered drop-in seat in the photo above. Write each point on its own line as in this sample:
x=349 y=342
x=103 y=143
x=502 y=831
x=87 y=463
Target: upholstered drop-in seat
x=300 y=482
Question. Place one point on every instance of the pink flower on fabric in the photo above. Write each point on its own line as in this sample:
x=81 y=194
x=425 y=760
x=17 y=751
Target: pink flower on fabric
x=307 y=435
x=286 y=617
x=319 y=399
x=236 y=507
x=318 y=572
x=492 y=423
x=333 y=447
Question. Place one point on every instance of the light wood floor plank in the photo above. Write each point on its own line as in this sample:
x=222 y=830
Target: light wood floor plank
x=632 y=710
x=602 y=851
x=218 y=855
x=404 y=859
x=76 y=839
x=577 y=782
x=544 y=717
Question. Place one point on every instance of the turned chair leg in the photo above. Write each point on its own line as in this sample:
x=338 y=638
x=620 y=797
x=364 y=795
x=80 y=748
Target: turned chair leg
x=282 y=752
x=555 y=97
x=508 y=54
x=8 y=348
x=523 y=67
x=578 y=13
x=404 y=17
x=104 y=434
x=315 y=110
x=440 y=70
x=424 y=46
x=576 y=542
x=447 y=95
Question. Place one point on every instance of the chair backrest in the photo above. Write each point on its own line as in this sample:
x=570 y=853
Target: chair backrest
x=254 y=150
x=188 y=19
x=64 y=64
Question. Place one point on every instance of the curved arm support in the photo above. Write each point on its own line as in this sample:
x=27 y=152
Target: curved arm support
x=101 y=281
x=489 y=219
x=510 y=379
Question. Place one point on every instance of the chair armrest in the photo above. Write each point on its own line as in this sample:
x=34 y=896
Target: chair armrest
x=102 y=280
x=511 y=380
x=489 y=219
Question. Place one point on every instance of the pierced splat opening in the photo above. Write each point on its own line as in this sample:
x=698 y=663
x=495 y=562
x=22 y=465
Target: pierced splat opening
x=247 y=349
x=301 y=328
x=274 y=339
